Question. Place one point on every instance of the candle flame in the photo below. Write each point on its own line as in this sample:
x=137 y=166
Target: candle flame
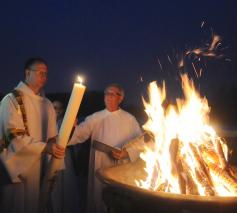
x=79 y=79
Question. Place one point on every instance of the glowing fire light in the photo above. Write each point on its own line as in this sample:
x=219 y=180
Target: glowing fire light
x=79 y=79
x=188 y=156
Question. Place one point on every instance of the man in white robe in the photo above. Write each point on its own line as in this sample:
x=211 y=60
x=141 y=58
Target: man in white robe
x=28 y=141
x=112 y=126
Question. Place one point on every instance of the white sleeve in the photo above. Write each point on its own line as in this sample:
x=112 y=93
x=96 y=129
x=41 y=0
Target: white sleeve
x=135 y=146
x=136 y=127
x=83 y=131
x=22 y=150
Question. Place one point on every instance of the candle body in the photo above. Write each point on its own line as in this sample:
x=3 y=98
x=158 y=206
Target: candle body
x=70 y=114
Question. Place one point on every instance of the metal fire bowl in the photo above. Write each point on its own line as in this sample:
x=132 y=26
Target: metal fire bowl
x=121 y=179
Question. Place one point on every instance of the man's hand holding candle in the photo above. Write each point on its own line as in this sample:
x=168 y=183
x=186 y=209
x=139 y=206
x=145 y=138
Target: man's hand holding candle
x=53 y=148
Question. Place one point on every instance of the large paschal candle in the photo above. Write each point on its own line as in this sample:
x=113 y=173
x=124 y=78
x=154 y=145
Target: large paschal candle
x=71 y=112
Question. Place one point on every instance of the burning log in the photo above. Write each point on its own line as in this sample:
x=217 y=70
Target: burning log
x=174 y=147
x=182 y=182
x=224 y=176
x=191 y=187
x=197 y=180
x=201 y=172
x=233 y=171
x=155 y=177
x=209 y=155
x=177 y=168
x=220 y=153
x=162 y=187
x=201 y=165
x=203 y=180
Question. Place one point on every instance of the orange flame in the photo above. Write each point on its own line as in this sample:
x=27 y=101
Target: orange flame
x=188 y=156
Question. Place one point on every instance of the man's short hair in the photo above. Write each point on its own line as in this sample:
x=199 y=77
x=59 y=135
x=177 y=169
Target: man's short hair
x=119 y=87
x=32 y=61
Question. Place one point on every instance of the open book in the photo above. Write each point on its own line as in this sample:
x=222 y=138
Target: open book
x=104 y=147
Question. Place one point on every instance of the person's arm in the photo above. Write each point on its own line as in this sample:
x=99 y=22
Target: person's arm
x=131 y=150
x=82 y=131
x=134 y=147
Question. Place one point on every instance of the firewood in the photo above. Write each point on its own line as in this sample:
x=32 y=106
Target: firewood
x=173 y=149
x=162 y=187
x=177 y=168
x=228 y=181
x=221 y=155
x=191 y=187
x=203 y=180
x=209 y=155
x=233 y=171
x=182 y=182
x=201 y=164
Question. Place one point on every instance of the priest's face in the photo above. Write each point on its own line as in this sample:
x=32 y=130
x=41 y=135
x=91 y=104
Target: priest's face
x=112 y=98
x=36 y=76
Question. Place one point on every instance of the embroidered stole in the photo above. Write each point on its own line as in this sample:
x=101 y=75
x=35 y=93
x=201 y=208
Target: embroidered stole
x=14 y=132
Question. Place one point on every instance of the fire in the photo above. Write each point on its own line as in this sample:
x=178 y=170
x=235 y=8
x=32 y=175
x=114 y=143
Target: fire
x=188 y=156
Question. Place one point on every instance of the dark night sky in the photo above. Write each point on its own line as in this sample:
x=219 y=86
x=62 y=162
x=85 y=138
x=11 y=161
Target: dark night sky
x=113 y=41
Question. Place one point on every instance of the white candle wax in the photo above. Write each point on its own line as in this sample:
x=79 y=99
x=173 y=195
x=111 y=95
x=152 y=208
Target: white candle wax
x=71 y=113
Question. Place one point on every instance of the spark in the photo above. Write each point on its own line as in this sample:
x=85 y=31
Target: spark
x=210 y=50
x=159 y=64
x=202 y=24
x=200 y=72
x=215 y=42
x=195 y=69
x=181 y=63
x=169 y=59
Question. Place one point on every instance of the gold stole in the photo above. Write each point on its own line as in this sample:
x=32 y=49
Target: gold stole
x=14 y=132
